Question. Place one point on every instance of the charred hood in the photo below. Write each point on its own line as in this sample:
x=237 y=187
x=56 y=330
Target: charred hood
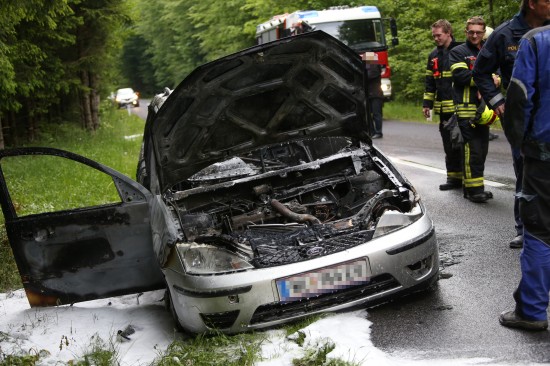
x=304 y=86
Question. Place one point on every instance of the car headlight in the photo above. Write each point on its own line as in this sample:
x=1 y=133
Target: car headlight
x=392 y=220
x=208 y=259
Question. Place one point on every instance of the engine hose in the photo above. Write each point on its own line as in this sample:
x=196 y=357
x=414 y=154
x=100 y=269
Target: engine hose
x=285 y=211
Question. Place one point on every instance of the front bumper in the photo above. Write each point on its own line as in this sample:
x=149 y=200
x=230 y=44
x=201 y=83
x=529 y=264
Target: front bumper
x=399 y=262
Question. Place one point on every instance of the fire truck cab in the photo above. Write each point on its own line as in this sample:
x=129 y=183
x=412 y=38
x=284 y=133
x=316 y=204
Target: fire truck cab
x=361 y=28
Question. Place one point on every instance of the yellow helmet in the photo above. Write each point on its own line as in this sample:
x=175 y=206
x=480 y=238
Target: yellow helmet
x=488 y=117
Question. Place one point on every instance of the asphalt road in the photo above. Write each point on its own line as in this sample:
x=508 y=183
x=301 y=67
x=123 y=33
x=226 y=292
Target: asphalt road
x=459 y=317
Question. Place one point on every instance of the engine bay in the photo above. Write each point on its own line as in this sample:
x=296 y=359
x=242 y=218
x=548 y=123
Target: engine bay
x=291 y=202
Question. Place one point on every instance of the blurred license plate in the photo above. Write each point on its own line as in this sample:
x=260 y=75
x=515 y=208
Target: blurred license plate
x=323 y=280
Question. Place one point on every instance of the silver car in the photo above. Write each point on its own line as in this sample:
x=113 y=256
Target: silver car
x=125 y=97
x=261 y=200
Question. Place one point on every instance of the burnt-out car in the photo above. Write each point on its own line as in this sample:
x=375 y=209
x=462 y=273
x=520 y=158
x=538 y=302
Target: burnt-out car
x=260 y=200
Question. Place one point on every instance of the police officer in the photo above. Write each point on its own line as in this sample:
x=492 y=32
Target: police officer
x=467 y=101
x=527 y=127
x=438 y=96
x=499 y=52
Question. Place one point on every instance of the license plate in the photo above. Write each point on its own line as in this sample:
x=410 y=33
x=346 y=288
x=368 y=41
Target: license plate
x=323 y=280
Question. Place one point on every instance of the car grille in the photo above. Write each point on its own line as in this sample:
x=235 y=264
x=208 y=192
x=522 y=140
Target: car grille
x=311 y=243
x=279 y=311
x=220 y=320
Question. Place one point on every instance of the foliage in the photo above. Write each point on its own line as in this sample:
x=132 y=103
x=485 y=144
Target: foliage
x=48 y=52
x=190 y=34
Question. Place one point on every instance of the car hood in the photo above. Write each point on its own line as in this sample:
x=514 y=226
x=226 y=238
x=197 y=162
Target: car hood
x=304 y=86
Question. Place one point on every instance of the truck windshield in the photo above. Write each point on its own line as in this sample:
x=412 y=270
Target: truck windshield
x=361 y=35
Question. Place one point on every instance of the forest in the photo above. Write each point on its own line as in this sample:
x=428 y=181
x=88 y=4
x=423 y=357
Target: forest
x=61 y=59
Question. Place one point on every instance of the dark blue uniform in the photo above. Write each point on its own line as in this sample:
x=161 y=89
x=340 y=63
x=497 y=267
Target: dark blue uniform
x=527 y=126
x=499 y=54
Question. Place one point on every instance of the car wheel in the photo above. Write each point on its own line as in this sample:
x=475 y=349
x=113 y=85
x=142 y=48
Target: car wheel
x=137 y=104
x=170 y=307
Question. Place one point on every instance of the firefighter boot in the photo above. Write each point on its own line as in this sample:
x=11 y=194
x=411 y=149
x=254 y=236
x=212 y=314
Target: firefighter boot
x=450 y=184
x=479 y=197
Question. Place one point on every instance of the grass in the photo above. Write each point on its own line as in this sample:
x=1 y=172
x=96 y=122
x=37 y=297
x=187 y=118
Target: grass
x=412 y=112
x=408 y=112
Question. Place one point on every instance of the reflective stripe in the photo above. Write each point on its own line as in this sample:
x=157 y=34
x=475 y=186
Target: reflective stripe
x=467 y=171
x=473 y=182
x=447 y=74
x=459 y=65
x=429 y=73
x=497 y=98
x=429 y=96
x=455 y=175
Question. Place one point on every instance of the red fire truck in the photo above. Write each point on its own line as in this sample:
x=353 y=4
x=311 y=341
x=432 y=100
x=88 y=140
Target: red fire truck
x=361 y=28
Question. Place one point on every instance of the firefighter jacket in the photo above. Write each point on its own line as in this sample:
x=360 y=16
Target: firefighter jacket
x=438 y=94
x=526 y=121
x=499 y=54
x=465 y=95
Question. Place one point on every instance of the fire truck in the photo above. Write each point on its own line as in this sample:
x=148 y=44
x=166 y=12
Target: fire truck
x=361 y=28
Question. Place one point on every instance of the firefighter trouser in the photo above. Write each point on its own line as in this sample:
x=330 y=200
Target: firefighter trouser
x=534 y=205
x=474 y=153
x=453 y=157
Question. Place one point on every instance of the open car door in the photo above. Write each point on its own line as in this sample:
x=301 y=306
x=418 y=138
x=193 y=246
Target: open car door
x=67 y=254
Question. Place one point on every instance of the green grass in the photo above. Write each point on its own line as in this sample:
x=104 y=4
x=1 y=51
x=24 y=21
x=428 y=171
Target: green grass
x=412 y=112
x=408 y=112
x=214 y=350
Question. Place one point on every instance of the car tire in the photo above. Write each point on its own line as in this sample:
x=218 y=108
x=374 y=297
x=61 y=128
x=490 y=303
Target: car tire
x=137 y=104
x=170 y=307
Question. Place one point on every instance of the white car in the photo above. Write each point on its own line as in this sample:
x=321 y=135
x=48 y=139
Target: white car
x=125 y=97
x=260 y=200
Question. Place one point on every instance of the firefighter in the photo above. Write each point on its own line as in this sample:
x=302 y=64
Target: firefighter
x=438 y=97
x=475 y=131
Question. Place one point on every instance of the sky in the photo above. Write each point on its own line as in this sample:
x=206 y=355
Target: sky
x=65 y=333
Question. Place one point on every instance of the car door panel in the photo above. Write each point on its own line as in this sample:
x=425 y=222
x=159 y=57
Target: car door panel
x=85 y=253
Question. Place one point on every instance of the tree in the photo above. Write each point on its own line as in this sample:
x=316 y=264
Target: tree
x=97 y=35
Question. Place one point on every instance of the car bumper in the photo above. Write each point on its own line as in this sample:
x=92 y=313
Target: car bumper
x=399 y=262
x=126 y=102
x=386 y=88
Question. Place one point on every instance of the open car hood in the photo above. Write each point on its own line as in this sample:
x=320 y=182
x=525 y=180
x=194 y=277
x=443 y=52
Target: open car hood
x=303 y=86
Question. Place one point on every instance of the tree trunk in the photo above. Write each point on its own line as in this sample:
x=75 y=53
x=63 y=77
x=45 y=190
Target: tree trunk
x=85 y=110
x=89 y=100
x=94 y=99
x=12 y=128
x=2 y=146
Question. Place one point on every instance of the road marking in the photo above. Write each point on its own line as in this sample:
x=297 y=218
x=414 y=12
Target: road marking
x=489 y=183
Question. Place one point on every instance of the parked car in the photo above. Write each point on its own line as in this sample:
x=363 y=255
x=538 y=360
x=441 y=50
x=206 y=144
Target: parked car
x=126 y=96
x=260 y=200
